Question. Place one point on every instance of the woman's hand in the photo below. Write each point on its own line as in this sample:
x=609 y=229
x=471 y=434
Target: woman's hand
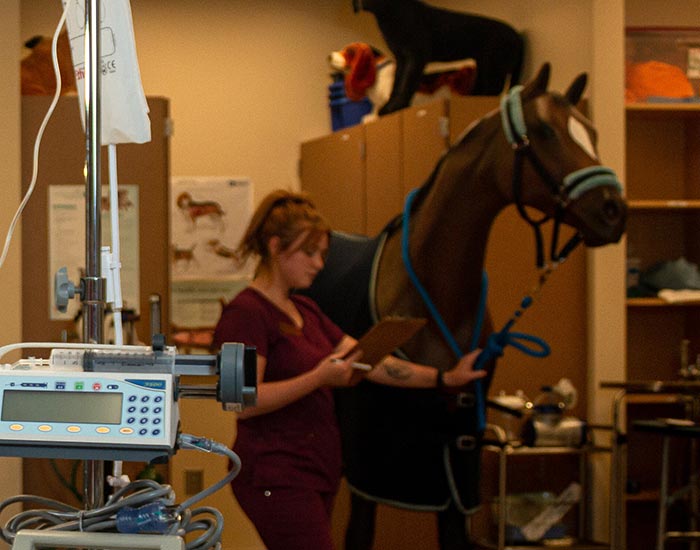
x=464 y=372
x=336 y=372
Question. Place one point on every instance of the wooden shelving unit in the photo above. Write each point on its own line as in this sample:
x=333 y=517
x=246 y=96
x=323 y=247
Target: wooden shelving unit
x=663 y=190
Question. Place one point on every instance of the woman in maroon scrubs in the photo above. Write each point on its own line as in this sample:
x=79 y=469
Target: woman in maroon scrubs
x=289 y=441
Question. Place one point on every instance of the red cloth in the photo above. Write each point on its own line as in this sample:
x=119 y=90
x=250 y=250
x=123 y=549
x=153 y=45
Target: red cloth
x=460 y=81
x=298 y=445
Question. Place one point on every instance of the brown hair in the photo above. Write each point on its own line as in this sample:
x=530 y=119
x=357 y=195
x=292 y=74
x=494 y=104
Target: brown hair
x=282 y=214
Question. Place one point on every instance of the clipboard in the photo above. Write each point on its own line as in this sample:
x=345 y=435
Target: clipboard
x=384 y=337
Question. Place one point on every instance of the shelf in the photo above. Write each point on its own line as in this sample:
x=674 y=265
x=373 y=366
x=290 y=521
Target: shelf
x=568 y=543
x=659 y=204
x=658 y=302
x=524 y=450
x=643 y=497
x=664 y=108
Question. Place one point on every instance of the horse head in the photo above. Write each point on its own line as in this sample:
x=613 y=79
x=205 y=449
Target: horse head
x=556 y=168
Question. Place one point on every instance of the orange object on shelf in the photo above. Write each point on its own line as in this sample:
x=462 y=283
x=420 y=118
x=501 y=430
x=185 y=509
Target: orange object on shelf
x=656 y=79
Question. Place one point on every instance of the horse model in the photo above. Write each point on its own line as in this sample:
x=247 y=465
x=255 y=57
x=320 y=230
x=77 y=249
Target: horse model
x=420 y=449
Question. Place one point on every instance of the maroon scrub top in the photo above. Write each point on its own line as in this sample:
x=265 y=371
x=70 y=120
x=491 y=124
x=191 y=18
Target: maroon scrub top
x=299 y=444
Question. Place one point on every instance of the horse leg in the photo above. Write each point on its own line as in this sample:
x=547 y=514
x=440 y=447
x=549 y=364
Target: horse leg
x=452 y=529
x=409 y=72
x=360 y=531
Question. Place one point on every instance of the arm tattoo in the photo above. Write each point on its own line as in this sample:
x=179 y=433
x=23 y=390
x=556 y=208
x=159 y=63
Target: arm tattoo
x=397 y=370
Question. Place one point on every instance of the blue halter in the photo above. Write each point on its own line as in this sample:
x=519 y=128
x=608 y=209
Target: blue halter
x=573 y=186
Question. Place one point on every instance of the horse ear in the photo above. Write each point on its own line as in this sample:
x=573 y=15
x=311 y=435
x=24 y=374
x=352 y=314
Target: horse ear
x=538 y=85
x=575 y=91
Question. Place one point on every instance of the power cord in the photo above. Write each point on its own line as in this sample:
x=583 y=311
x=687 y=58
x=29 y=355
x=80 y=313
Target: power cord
x=142 y=506
x=37 y=141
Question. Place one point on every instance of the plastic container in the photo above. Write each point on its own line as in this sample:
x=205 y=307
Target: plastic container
x=523 y=508
x=548 y=406
x=662 y=64
x=508 y=413
x=345 y=113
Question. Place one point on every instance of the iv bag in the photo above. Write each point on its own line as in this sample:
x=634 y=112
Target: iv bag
x=124 y=111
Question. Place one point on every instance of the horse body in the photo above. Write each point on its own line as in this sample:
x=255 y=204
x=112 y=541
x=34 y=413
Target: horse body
x=420 y=448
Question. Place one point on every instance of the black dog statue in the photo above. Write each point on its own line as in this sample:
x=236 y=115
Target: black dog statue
x=417 y=34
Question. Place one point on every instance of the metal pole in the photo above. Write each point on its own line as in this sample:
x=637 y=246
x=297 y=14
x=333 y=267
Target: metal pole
x=93 y=285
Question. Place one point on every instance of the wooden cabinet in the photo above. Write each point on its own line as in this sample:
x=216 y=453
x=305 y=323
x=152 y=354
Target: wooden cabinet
x=61 y=163
x=360 y=175
x=663 y=189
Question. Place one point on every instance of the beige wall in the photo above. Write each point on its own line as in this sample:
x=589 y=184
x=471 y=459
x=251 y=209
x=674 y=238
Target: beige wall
x=10 y=275
x=248 y=79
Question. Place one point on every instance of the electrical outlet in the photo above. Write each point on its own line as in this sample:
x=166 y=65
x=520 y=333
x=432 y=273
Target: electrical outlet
x=194 y=481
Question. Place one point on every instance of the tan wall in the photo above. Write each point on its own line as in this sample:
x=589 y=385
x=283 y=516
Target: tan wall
x=248 y=79
x=10 y=272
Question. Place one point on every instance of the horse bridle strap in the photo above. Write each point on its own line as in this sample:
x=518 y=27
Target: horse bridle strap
x=572 y=187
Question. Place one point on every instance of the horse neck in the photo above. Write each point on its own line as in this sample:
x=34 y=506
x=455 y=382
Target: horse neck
x=452 y=225
x=448 y=233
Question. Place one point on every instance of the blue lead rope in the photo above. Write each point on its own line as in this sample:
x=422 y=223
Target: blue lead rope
x=495 y=343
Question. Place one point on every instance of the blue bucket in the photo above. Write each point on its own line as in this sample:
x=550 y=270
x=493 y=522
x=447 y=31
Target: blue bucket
x=345 y=113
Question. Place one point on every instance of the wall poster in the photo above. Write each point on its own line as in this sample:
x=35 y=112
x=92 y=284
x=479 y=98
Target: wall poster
x=208 y=217
x=66 y=205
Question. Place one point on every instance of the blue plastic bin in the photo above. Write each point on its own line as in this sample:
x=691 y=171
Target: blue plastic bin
x=344 y=112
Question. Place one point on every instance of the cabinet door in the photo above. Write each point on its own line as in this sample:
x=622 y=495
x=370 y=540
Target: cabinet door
x=333 y=172
x=465 y=110
x=383 y=171
x=424 y=140
x=61 y=163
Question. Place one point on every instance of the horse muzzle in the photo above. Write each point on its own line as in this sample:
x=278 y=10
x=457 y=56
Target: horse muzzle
x=599 y=214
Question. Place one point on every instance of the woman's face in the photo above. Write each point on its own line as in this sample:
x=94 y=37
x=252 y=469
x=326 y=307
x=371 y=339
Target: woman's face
x=300 y=263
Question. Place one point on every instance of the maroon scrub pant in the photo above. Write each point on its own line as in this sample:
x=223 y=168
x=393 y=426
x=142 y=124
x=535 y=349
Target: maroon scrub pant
x=288 y=518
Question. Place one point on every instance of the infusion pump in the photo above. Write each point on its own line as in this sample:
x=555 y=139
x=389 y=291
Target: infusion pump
x=119 y=404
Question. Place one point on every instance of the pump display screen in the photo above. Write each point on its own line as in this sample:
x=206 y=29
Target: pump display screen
x=62 y=406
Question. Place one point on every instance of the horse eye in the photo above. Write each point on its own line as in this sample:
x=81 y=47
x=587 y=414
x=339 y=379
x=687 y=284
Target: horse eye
x=544 y=131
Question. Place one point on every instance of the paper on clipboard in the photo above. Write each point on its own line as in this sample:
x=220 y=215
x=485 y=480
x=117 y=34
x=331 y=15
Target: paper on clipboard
x=384 y=337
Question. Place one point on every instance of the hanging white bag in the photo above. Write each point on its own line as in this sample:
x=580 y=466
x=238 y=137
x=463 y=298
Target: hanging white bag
x=124 y=110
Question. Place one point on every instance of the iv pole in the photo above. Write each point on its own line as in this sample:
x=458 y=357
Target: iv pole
x=92 y=283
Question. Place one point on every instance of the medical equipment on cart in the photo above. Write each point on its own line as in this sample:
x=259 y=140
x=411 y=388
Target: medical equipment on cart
x=111 y=403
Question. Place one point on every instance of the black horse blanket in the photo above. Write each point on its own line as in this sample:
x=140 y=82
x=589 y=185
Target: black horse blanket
x=410 y=448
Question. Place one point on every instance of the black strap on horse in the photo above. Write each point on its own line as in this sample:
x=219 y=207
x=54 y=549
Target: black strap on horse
x=516 y=133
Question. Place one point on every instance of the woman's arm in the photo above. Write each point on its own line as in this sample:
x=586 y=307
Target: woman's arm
x=331 y=371
x=393 y=371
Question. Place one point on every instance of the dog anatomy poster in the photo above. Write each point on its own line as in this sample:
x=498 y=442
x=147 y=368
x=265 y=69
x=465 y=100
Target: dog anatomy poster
x=208 y=217
x=67 y=240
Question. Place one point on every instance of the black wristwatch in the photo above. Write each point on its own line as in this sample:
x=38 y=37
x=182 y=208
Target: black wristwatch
x=440 y=380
